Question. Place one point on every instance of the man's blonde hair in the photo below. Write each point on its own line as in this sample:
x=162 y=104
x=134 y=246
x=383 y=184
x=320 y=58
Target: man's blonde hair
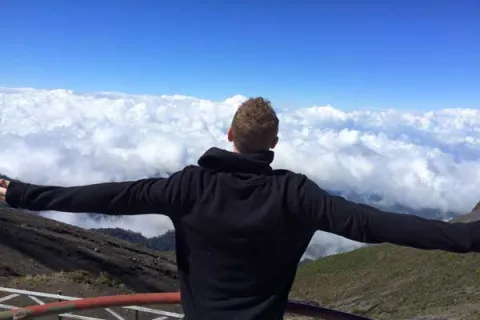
x=254 y=126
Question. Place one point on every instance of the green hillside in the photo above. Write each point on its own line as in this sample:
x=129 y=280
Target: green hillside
x=393 y=282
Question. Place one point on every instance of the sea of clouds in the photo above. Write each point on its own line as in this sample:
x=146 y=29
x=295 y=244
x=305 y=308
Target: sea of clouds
x=416 y=160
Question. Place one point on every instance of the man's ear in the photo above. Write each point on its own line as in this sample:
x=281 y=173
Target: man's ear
x=274 y=143
x=230 y=135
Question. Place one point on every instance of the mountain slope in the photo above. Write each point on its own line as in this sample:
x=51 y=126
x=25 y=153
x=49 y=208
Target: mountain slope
x=35 y=246
x=394 y=282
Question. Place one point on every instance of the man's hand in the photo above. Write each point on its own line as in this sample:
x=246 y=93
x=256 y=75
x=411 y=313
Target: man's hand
x=3 y=188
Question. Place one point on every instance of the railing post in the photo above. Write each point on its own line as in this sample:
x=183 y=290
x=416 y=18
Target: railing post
x=136 y=314
x=59 y=292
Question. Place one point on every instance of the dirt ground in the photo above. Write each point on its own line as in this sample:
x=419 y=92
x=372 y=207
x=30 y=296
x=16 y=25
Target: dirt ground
x=40 y=254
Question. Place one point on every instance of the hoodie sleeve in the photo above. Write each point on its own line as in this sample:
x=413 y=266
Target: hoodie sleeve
x=156 y=195
x=366 y=224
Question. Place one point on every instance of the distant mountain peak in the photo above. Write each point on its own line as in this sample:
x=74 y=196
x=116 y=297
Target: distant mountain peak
x=477 y=207
x=469 y=217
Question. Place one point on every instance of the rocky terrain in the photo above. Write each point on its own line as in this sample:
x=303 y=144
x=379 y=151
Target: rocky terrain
x=40 y=254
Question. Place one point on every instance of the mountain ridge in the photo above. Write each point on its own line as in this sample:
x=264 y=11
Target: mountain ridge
x=164 y=242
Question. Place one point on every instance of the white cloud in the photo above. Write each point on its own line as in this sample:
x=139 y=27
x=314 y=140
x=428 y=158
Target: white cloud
x=419 y=160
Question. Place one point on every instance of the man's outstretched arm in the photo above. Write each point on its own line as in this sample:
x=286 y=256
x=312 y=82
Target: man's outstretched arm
x=366 y=224
x=155 y=195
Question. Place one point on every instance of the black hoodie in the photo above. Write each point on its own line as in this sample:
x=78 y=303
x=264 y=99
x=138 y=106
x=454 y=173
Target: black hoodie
x=242 y=227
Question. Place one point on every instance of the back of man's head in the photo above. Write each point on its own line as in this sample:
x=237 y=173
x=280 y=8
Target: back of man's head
x=254 y=126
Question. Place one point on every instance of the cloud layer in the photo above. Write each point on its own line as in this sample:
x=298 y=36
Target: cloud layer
x=418 y=160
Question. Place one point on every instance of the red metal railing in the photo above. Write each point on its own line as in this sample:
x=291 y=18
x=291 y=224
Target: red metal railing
x=151 y=299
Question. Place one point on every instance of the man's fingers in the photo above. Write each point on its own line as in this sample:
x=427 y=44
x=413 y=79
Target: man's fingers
x=4 y=183
x=3 y=192
x=3 y=189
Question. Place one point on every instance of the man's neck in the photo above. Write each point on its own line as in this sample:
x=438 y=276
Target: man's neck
x=235 y=150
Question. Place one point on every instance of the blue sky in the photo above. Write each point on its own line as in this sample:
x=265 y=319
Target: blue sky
x=351 y=54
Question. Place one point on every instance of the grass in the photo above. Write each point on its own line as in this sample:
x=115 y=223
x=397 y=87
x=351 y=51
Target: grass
x=84 y=277
x=79 y=277
x=392 y=282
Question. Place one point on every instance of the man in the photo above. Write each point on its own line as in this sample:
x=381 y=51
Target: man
x=242 y=227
